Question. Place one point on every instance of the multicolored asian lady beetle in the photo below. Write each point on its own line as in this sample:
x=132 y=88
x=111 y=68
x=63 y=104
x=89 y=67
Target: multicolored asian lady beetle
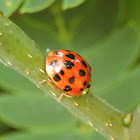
x=69 y=72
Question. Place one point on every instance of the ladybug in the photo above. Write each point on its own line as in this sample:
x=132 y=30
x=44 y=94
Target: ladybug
x=69 y=72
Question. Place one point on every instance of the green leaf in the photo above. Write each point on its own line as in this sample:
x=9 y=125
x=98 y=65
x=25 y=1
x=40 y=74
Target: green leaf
x=27 y=136
x=68 y=135
x=112 y=58
x=128 y=12
x=18 y=84
x=126 y=91
x=133 y=9
x=31 y=6
x=71 y=3
x=91 y=24
x=4 y=128
x=8 y=7
x=32 y=111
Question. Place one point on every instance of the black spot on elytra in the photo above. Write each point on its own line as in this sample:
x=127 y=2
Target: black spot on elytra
x=57 y=52
x=82 y=72
x=83 y=62
x=53 y=63
x=72 y=80
x=81 y=89
x=88 y=86
x=56 y=78
x=85 y=83
x=61 y=72
x=67 y=88
x=68 y=64
x=70 y=55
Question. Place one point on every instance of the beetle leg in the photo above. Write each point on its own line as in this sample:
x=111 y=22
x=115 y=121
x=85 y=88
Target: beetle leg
x=64 y=94
x=49 y=81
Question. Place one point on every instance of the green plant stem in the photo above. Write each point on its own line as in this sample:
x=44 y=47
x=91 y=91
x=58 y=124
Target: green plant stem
x=61 y=25
x=134 y=131
x=19 y=52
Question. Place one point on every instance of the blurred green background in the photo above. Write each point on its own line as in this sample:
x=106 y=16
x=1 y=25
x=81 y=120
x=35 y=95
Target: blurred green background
x=105 y=32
